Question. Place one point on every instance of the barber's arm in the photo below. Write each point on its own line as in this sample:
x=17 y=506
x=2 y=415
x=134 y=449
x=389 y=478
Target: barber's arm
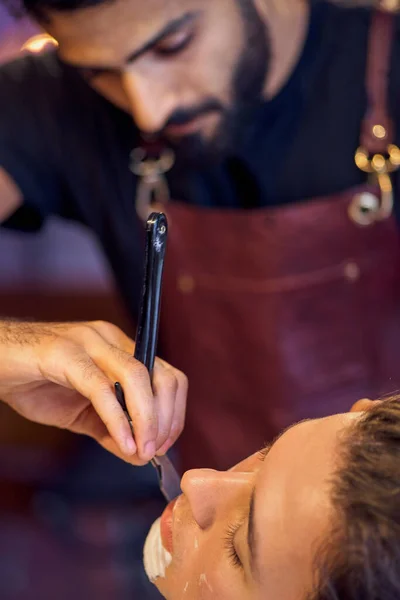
x=63 y=374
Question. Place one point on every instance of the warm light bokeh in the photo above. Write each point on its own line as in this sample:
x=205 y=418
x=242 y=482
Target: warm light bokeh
x=38 y=43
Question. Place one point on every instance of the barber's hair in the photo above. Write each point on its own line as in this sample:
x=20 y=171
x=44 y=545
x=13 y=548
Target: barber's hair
x=361 y=559
x=38 y=8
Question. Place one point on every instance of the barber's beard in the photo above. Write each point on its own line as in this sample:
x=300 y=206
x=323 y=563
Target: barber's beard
x=237 y=121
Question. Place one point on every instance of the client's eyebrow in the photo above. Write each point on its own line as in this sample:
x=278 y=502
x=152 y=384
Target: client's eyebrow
x=252 y=538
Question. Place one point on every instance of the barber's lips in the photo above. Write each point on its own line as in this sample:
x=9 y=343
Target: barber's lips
x=182 y=130
x=166 y=526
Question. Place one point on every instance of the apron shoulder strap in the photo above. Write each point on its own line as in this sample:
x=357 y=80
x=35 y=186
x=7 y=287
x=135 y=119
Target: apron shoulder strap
x=378 y=127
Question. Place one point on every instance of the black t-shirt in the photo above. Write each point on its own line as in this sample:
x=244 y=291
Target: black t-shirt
x=68 y=148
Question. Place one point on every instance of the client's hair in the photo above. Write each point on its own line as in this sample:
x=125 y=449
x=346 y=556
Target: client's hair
x=361 y=560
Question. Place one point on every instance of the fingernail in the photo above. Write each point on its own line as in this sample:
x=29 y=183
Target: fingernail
x=164 y=448
x=149 y=450
x=130 y=446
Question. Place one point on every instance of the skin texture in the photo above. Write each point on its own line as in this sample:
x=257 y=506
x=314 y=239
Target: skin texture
x=292 y=514
x=62 y=374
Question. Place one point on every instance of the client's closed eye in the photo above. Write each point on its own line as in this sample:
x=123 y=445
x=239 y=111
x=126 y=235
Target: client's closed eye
x=262 y=455
x=229 y=543
x=229 y=540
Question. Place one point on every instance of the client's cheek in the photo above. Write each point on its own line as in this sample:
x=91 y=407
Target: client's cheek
x=211 y=578
x=186 y=577
x=194 y=579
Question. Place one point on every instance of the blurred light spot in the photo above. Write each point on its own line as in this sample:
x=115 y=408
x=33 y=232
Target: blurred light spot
x=38 y=43
x=390 y=5
x=379 y=132
x=186 y=284
x=352 y=271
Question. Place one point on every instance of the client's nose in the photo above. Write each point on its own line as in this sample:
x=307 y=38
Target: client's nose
x=210 y=491
x=364 y=405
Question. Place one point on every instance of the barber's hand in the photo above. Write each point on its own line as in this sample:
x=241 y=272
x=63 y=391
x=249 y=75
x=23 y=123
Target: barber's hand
x=63 y=374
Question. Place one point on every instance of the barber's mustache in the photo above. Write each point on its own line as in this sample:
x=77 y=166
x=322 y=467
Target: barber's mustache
x=183 y=116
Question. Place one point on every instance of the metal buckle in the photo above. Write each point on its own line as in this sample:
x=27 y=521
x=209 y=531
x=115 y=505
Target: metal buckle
x=366 y=209
x=152 y=191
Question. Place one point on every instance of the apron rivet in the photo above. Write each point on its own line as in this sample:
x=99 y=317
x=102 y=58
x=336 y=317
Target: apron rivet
x=364 y=208
x=186 y=284
x=379 y=132
x=352 y=271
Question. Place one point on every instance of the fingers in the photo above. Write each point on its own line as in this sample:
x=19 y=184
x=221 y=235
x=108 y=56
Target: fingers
x=90 y=358
x=135 y=381
x=89 y=423
x=141 y=406
x=165 y=387
x=114 y=336
x=84 y=376
x=158 y=418
x=171 y=388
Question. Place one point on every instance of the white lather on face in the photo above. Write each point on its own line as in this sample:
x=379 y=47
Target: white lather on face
x=156 y=558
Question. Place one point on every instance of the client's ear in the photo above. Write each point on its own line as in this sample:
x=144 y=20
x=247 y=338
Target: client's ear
x=364 y=405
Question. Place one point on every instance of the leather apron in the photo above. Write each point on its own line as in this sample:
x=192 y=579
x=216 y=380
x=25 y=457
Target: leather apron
x=280 y=314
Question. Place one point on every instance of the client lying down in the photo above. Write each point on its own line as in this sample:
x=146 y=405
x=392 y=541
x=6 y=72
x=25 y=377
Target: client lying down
x=315 y=516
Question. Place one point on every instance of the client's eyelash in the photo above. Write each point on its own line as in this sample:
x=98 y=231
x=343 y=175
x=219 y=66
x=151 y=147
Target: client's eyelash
x=233 y=529
x=262 y=455
x=230 y=546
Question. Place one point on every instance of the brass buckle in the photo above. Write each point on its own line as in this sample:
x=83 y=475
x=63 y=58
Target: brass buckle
x=152 y=191
x=366 y=208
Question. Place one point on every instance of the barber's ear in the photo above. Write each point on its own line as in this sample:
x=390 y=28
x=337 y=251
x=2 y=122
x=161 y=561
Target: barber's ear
x=364 y=405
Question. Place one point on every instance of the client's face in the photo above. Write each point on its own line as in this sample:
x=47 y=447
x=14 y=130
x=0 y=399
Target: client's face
x=253 y=531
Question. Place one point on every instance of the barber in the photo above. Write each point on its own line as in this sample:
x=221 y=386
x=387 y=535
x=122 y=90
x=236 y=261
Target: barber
x=266 y=131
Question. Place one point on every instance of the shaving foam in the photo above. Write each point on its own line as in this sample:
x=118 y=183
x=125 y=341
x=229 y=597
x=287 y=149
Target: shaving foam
x=155 y=557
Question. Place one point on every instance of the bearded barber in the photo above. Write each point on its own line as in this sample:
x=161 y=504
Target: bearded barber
x=266 y=131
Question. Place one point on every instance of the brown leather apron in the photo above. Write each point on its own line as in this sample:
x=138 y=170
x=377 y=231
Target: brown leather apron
x=282 y=314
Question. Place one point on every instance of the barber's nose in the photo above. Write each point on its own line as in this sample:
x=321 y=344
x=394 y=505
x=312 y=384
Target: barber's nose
x=150 y=101
x=209 y=492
